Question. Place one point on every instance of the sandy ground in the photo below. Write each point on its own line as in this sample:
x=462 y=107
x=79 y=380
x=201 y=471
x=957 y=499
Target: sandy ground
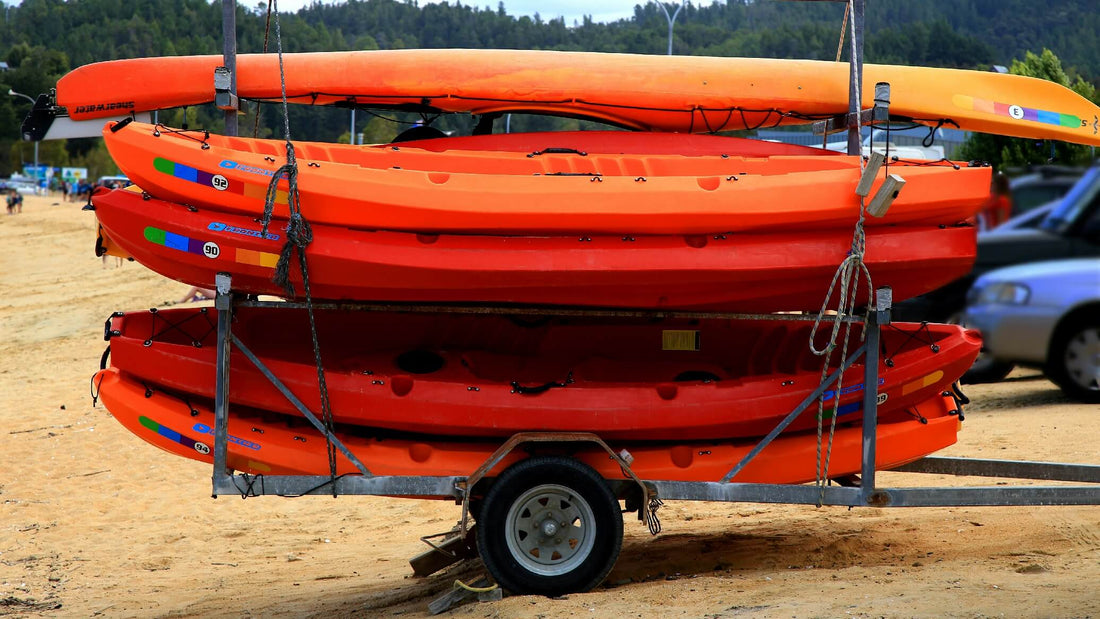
x=95 y=522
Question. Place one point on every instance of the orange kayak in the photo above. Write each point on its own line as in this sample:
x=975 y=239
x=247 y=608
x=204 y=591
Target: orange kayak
x=493 y=375
x=571 y=188
x=655 y=93
x=758 y=271
x=262 y=443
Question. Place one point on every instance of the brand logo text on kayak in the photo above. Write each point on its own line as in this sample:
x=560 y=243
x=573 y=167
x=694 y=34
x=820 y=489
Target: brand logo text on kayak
x=220 y=227
x=240 y=167
x=104 y=107
x=205 y=429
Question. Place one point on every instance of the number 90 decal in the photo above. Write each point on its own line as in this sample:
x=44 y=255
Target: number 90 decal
x=219 y=182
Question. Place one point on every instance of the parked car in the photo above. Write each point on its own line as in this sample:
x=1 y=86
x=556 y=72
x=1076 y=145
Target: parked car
x=1031 y=219
x=1043 y=185
x=1070 y=229
x=113 y=182
x=1043 y=314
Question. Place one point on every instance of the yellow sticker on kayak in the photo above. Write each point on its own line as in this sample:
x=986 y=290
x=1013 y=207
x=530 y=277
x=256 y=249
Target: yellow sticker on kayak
x=679 y=339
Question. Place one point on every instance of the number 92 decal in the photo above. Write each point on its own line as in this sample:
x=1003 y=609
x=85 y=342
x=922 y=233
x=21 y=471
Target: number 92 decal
x=219 y=182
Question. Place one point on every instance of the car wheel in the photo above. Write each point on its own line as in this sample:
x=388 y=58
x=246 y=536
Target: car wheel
x=1074 y=360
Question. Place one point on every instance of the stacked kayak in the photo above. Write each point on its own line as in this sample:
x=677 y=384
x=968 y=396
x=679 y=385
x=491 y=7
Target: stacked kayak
x=605 y=219
x=264 y=444
x=564 y=188
x=651 y=93
x=759 y=271
x=578 y=220
x=496 y=375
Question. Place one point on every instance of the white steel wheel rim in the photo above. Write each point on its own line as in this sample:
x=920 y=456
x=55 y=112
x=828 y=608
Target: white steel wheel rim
x=1082 y=358
x=550 y=530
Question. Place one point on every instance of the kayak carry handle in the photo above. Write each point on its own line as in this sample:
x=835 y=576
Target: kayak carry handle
x=115 y=128
x=537 y=389
x=557 y=151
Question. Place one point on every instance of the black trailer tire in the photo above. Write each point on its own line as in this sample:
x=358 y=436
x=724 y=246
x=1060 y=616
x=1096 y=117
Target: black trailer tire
x=549 y=526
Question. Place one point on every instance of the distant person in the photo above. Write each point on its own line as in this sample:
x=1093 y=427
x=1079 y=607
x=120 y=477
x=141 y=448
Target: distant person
x=64 y=186
x=118 y=261
x=998 y=208
x=15 y=202
x=198 y=294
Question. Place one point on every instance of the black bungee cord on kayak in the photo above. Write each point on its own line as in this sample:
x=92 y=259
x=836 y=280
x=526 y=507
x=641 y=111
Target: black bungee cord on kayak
x=298 y=236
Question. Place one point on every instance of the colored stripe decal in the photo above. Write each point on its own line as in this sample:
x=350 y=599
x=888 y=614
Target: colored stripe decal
x=162 y=165
x=257 y=258
x=1016 y=112
x=168 y=433
x=846 y=409
x=175 y=241
x=154 y=235
x=178 y=242
x=204 y=178
x=921 y=383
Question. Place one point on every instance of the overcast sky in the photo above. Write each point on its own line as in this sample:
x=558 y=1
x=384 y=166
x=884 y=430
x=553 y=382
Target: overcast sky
x=572 y=10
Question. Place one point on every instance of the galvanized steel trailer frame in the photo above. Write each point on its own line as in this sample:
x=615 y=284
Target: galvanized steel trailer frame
x=868 y=493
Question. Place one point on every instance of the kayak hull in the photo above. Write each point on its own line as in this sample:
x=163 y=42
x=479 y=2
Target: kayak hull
x=732 y=272
x=485 y=190
x=273 y=445
x=497 y=375
x=652 y=93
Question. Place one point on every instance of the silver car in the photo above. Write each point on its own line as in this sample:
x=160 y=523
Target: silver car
x=1044 y=314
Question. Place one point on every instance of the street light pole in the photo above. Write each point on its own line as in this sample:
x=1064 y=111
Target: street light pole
x=12 y=93
x=671 y=20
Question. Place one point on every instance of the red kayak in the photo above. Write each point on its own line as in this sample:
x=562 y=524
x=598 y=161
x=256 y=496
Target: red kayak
x=275 y=445
x=491 y=375
x=732 y=272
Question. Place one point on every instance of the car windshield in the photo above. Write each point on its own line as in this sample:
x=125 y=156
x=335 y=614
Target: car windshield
x=1078 y=199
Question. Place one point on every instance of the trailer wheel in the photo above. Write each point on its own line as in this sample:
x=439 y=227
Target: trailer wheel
x=549 y=526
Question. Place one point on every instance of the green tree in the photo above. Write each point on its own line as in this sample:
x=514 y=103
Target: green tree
x=1005 y=152
x=98 y=161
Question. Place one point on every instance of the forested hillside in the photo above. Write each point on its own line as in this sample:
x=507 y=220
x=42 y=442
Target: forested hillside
x=42 y=39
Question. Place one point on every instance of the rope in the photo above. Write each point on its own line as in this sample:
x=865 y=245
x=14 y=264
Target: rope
x=848 y=275
x=652 y=521
x=911 y=336
x=169 y=326
x=95 y=387
x=930 y=139
x=183 y=133
x=424 y=101
x=843 y=28
x=461 y=585
x=267 y=32
x=298 y=236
